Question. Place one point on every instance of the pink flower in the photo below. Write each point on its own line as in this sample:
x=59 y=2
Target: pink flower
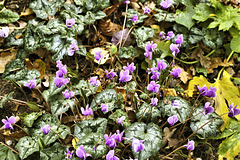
x=8 y=124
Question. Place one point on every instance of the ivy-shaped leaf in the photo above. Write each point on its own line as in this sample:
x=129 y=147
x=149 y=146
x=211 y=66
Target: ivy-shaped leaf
x=27 y=146
x=151 y=135
x=6 y=98
x=60 y=105
x=30 y=75
x=44 y=8
x=30 y=118
x=185 y=17
x=108 y=96
x=11 y=39
x=182 y=111
x=131 y=13
x=56 y=152
x=118 y=114
x=163 y=15
x=212 y=38
x=201 y=16
x=94 y=5
x=209 y=130
x=8 y=16
x=84 y=86
x=90 y=17
x=90 y=126
x=142 y=34
x=59 y=46
x=127 y=52
x=7 y=154
x=92 y=140
x=145 y=110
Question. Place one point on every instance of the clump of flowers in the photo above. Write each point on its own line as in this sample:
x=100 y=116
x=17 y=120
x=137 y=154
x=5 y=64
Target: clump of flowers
x=175 y=72
x=153 y=87
x=68 y=94
x=124 y=76
x=8 y=123
x=110 y=141
x=60 y=79
x=149 y=49
x=111 y=74
x=204 y=91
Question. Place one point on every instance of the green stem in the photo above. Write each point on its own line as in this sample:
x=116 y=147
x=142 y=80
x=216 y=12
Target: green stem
x=22 y=130
x=173 y=152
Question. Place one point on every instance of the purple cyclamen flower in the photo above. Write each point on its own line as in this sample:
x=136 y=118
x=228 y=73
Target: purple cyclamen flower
x=155 y=75
x=8 y=124
x=68 y=94
x=154 y=101
x=203 y=90
x=120 y=120
x=134 y=18
x=137 y=145
x=104 y=107
x=170 y=35
x=172 y=120
x=175 y=103
x=174 y=48
x=153 y=87
x=233 y=111
x=124 y=76
x=179 y=39
x=130 y=67
x=110 y=140
x=4 y=32
x=88 y=111
x=110 y=156
x=59 y=64
x=166 y=4
x=190 y=145
x=126 y=2
x=146 y=10
x=148 y=55
x=111 y=74
x=31 y=84
x=98 y=55
x=161 y=65
x=69 y=154
x=162 y=35
x=62 y=71
x=211 y=92
x=80 y=152
x=70 y=22
x=150 y=47
x=207 y=109
x=60 y=81
x=94 y=81
x=175 y=72
x=119 y=136
x=46 y=129
x=73 y=48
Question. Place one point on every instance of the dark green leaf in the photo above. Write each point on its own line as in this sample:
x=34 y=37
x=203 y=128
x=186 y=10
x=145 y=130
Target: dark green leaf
x=163 y=15
x=8 y=16
x=131 y=13
x=213 y=38
x=7 y=154
x=33 y=106
x=185 y=17
x=30 y=118
x=94 y=5
x=127 y=52
x=142 y=34
x=6 y=98
x=22 y=54
x=30 y=75
x=108 y=96
x=118 y=114
x=27 y=146
x=86 y=127
x=91 y=140
x=84 y=86
x=56 y=152
x=12 y=41
x=151 y=135
x=211 y=129
x=145 y=110
x=60 y=105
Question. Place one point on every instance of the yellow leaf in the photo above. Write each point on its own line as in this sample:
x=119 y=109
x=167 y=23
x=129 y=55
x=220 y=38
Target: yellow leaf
x=103 y=51
x=74 y=142
x=156 y=27
x=99 y=89
x=225 y=90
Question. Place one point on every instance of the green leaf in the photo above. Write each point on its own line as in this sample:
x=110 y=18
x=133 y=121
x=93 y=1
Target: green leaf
x=60 y=105
x=56 y=152
x=30 y=75
x=127 y=52
x=113 y=49
x=163 y=15
x=145 y=110
x=30 y=118
x=94 y=5
x=6 y=98
x=15 y=70
x=86 y=127
x=185 y=17
x=234 y=44
x=59 y=46
x=94 y=140
x=182 y=111
x=108 y=96
x=131 y=13
x=33 y=106
x=8 y=16
x=164 y=46
x=12 y=41
x=118 y=114
x=201 y=16
x=27 y=146
x=47 y=119
x=209 y=130
x=142 y=34
x=213 y=38
x=151 y=135
x=44 y=8
x=84 y=86
x=7 y=154
x=22 y=54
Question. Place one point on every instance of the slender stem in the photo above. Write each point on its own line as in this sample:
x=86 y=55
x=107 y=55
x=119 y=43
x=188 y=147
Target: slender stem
x=126 y=97
x=75 y=31
x=48 y=106
x=22 y=129
x=124 y=150
x=23 y=102
x=173 y=152
x=59 y=138
x=9 y=147
x=128 y=35
x=125 y=18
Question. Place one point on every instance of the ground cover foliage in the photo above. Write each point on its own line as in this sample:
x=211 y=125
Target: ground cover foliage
x=112 y=79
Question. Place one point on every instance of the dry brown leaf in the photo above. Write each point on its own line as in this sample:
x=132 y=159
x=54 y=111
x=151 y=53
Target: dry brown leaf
x=100 y=72
x=198 y=54
x=184 y=76
x=122 y=91
x=108 y=28
x=11 y=136
x=22 y=24
x=38 y=64
x=216 y=62
x=167 y=134
x=6 y=57
x=170 y=91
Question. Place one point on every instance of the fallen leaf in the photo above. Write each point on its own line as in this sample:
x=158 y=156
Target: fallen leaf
x=122 y=91
x=74 y=142
x=184 y=76
x=170 y=91
x=38 y=64
x=157 y=27
x=26 y=12
x=216 y=62
x=108 y=28
x=104 y=59
x=167 y=134
x=100 y=72
x=6 y=57
x=225 y=90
